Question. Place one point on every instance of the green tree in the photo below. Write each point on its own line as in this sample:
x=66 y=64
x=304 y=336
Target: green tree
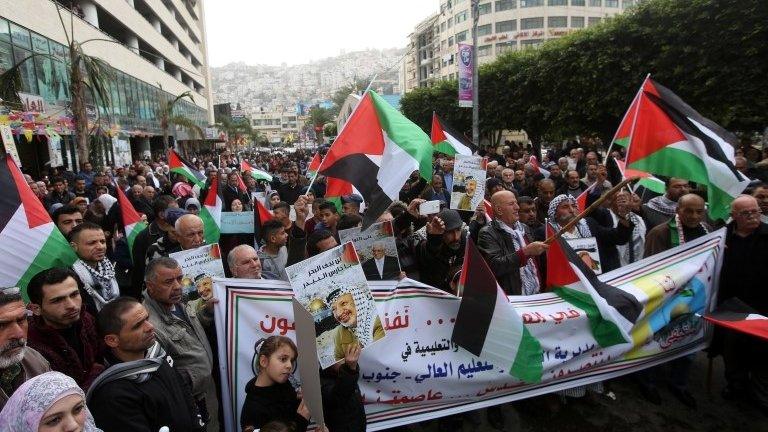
x=168 y=116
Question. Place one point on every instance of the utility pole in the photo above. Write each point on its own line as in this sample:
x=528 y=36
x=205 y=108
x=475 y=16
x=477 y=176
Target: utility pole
x=475 y=95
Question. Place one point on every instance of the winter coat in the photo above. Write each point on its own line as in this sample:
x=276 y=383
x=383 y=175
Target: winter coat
x=499 y=252
x=342 y=402
x=265 y=404
x=32 y=365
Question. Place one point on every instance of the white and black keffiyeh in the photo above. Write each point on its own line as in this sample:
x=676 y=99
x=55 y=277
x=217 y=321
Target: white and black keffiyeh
x=365 y=308
x=529 y=273
x=581 y=227
x=99 y=282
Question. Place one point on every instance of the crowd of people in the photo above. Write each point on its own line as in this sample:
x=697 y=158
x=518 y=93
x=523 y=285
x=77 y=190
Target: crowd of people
x=112 y=344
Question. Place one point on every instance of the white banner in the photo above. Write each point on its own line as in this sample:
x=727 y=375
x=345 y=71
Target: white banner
x=416 y=373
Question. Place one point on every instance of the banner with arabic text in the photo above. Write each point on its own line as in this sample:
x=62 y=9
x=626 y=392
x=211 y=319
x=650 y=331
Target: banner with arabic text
x=416 y=373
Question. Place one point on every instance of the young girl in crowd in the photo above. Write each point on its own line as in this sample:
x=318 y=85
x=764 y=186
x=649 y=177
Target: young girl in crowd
x=269 y=395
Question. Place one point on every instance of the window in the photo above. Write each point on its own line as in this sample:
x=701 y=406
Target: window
x=502 y=5
x=461 y=17
x=592 y=21
x=40 y=44
x=557 y=21
x=628 y=3
x=577 y=22
x=450 y=41
x=450 y=22
x=461 y=37
x=531 y=3
x=6 y=57
x=612 y=3
x=578 y=3
x=484 y=51
x=596 y=3
x=5 y=32
x=26 y=70
x=531 y=43
x=442 y=27
x=20 y=37
x=484 y=30
x=557 y=2
x=506 y=26
x=484 y=9
x=505 y=46
x=531 y=23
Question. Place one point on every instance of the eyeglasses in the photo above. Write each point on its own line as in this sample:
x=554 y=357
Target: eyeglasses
x=748 y=213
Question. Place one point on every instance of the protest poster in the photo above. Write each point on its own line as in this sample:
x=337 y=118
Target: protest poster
x=586 y=248
x=237 y=222
x=419 y=374
x=465 y=75
x=332 y=287
x=6 y=135
x=311 y=389
x=468 y=183
x=377 y=250
x=199 y=267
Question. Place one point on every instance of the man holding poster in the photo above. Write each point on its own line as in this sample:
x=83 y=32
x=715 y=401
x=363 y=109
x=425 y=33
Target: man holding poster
x=347 y=303
x=468 y=183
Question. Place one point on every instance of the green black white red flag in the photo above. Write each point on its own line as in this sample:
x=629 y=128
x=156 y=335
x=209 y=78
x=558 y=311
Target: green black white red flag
x=448 y=141
x=39 y=244
x=178 y=165
x=376 y=152
x=132 y=222
x=488 y=326
x=210 y=212
x=670 y=138
x=611 y=311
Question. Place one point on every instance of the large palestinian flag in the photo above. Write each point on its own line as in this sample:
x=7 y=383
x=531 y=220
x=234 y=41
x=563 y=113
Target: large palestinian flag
x=255 y=173
x=448 y=141
x=131 y=219
x=28 y=236
x=736 y=315
x=178 y=165
x=376 y=152
x=670 y=138
x=488 y=326
x=210 y=212
x=611 y=312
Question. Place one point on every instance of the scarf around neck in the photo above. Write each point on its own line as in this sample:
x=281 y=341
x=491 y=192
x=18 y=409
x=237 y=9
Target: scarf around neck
x=662 y=204
x=99 y=282
x=138 y=371
x=529 y=273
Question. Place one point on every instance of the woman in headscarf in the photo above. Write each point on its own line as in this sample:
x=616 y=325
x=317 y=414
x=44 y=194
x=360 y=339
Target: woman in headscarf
x=51 y=402
x=272 y=199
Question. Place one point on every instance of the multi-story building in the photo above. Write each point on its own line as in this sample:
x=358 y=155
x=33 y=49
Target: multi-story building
x=155 y=50
x=502 y=25
x=278 y=127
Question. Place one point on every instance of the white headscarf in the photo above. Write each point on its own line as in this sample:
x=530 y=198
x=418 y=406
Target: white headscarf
x=26 y=408
x=107 y=201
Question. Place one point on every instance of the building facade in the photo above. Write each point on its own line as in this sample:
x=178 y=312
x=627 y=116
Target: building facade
x=503 y=25
x=155 y=51
x=278 y=127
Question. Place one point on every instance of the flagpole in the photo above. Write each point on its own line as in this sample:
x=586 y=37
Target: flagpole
x=475 y=95
x=637 y=95
x=319 y=167
x=590 y=209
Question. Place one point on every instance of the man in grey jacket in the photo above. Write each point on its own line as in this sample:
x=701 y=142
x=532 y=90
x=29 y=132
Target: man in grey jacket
x=180 y=329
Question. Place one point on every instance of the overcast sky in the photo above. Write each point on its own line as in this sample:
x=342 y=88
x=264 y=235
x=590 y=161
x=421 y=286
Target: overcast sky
x=297 y=31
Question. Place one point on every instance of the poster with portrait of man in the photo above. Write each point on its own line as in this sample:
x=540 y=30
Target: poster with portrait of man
x=199 y=266
x=332 y=287
x=377 y=250
x=468 y=182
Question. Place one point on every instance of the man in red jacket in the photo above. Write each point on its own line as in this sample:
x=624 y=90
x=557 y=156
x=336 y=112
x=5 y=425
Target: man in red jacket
x=61 y=330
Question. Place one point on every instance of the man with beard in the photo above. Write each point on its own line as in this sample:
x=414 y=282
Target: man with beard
x=659 y=209
x=140 y=390
x=93 y=268
x=441 y=254
x=355 y=311
x=18 y=362
x=545 y=193
x=527 y=212
x=573 y=185
x=60 y=329
x=465 y=203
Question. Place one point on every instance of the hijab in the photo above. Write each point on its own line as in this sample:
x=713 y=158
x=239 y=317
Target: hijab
x=26 y=408
x=107 y=201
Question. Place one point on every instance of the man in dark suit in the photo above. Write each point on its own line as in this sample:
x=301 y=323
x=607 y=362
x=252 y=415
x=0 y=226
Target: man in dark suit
x=381 y=266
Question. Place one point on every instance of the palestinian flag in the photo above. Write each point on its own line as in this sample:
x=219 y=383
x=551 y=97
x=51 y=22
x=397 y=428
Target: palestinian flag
x=489 y=215
x=29 y=237
x=537 y=168
x=255 y=173
x=736 y=315
x=624 y=132
x=447 y=140
x=489 y=327
x=646 y=180
x=210 y=212
x=178 y=165
x=335 y=189
x=260 y=216
x=314 y=165
x=611 y=312
x=581 y=200
x=131 y=219
x=669 y=138
x=376 y=152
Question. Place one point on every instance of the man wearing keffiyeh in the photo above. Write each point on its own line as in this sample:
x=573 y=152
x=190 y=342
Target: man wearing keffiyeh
x=355 y=310
x=93 y=267
x=507 y=247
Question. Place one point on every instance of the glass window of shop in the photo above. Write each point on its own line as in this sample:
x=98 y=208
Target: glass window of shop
x=6 y=57
x=20 y=37
x=26 y=70
x=5 y=31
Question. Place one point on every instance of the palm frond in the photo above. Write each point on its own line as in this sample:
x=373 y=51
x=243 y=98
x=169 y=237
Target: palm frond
x=186 y=123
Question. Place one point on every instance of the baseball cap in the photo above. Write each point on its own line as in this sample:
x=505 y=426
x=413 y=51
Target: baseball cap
x=172 y=214
x=451 y=219
x=352 y=198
